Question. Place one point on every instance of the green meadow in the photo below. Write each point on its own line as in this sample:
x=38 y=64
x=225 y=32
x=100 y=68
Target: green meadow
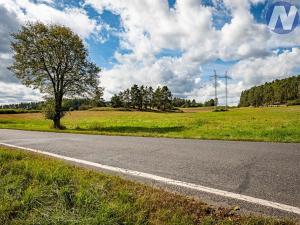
x=39 y=190
x=278 y=124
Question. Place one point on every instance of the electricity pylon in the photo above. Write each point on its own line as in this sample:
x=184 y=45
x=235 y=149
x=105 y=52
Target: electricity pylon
x=226 y=77
x=215 y=76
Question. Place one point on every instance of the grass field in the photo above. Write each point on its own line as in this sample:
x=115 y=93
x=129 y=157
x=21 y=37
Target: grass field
x=38 y=190
x=280 y=124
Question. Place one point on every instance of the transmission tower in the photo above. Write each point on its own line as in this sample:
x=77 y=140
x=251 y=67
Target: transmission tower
x=226 y=77
x=215 y=77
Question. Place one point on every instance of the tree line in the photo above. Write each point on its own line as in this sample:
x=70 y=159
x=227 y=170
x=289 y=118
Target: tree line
x=67 y=104
x=187 y=103
x=24 y=106
x=144 y=98
x=278 y=92
x=148 y=98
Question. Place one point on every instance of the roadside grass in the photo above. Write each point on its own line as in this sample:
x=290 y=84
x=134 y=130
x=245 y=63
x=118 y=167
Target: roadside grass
x=38 y=190
x=280 y=124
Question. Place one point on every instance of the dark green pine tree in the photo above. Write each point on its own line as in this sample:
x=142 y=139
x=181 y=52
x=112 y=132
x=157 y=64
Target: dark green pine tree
x=136 y=97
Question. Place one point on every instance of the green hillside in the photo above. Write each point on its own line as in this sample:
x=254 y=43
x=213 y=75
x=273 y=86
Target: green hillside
x=278 y=92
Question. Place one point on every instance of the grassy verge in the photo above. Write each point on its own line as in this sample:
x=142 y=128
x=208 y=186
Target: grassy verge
x=280 y=124
x=39 y=190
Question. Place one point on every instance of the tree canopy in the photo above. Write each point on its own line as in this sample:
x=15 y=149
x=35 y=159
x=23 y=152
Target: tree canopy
x=53 y=59
x=145 y=98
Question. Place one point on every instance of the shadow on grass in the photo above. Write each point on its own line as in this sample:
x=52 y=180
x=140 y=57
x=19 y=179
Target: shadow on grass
x=133 y=129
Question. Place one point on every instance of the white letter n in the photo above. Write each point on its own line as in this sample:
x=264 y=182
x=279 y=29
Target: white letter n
x=287 y=20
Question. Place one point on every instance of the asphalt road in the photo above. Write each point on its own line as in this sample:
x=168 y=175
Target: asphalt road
x=268 y=171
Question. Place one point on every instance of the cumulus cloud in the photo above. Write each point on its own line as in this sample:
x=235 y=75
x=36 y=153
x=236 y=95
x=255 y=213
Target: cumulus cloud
x=254 y=71
x=179 y=75
x=75 y=18
x=194 y=33
x=9 y=23
x=150 y=27
x=15 y=93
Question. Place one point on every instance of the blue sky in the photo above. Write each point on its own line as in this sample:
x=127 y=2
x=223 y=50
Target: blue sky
x=162 y=42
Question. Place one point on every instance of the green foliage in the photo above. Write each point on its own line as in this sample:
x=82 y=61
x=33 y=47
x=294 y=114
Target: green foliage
x=293 y=102
x=68 y=104
x=144 y=98
x=277 y=92
x=39 y=190
x=53 y=59
x=116 y=101
x=136 y=97
x=24 y=106
x=75 y=104
x=84 y=107
x=17 y=111
x=166 y=99
x=49 y=110
x=97 y=98
x=186 y=103
x=210 y=103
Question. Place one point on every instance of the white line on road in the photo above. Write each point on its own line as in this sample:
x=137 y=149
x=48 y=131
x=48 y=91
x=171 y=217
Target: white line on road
x=168 y=181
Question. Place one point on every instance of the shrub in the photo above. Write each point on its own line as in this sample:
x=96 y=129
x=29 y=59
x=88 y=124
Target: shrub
x=84 y=107
x=293 y=102
x=49 y=111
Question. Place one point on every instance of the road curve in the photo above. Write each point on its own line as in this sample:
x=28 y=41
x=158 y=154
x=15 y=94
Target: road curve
x=269 y=171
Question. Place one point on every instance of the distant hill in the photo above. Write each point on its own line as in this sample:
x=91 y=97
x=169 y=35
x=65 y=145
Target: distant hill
x=278 y=92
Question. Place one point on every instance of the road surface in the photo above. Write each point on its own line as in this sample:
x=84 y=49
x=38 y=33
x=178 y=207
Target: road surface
x=267 y=171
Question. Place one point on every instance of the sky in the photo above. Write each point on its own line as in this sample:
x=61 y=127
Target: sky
x=178 y=43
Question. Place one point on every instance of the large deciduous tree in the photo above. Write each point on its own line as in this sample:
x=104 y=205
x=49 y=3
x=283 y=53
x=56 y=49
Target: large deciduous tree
x=54 y=60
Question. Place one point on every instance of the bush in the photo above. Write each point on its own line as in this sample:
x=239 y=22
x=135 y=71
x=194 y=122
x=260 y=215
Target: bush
x=220 y=110
x=293 y=102
x=49 y=111
x=84 y=107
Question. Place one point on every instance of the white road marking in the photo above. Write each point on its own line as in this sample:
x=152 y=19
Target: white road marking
x=168 y=181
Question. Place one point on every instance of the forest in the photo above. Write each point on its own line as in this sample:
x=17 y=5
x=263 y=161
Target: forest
x=278 y=92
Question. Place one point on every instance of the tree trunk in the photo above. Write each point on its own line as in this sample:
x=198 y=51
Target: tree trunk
x=56 y=123
x=58 y=112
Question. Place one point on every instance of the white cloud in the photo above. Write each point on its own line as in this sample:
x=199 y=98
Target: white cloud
x=9 y=23
x=181 y=76
x=75 y=18
x=254 y=71
x=14 y=93
x=150 y=26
